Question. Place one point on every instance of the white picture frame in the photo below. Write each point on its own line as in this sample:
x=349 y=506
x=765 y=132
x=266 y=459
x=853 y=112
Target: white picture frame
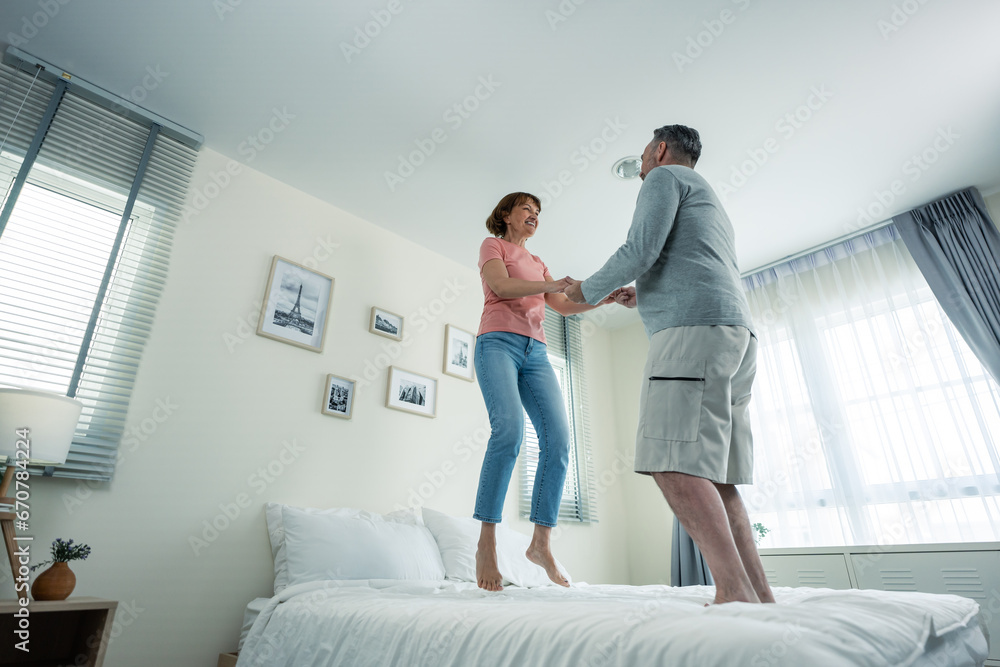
x=459 y=346
x=386 y=323
x=296 y=305
x=338 y=396
x=411 y=392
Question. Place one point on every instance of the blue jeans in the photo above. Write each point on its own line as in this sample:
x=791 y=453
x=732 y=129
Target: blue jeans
x=514 y=371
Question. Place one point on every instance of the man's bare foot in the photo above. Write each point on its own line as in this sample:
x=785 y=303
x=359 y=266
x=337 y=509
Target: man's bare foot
x=766 y=598
x=487 y=573
x=545 y=559
x=744 y=595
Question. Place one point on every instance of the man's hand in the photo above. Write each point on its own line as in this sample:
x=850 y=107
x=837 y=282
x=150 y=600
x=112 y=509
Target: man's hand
x=558 y=286
x=574 y=292
x=625 y=296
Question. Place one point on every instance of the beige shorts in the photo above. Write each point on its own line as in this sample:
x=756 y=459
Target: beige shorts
x=693 y=414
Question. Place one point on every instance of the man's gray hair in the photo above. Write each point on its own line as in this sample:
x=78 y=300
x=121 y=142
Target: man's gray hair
x=684 y=142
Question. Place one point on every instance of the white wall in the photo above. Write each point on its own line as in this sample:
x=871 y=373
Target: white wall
x=234 y=399
x=649 y=516
x=993 y=206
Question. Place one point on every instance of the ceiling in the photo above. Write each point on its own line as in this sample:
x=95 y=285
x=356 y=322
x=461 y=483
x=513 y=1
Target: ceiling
x=808 y=111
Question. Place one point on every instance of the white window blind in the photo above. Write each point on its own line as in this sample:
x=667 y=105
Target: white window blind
x=80 y=279
x=565 y=347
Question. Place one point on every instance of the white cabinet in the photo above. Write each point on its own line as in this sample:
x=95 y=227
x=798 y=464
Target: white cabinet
x=969 y=570
x=814 y=571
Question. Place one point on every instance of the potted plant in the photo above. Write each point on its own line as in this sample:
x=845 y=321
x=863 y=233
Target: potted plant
x=759 y=532
x=57 y=582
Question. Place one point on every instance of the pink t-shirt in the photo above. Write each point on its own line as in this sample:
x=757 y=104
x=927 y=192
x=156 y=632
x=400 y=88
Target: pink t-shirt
x=523 y=315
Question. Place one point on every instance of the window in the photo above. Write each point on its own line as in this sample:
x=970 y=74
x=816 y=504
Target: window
x=873 y=421
x=565 y=348
x=90 y=200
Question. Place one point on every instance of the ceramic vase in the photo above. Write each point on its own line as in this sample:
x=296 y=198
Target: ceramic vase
x=55 y=583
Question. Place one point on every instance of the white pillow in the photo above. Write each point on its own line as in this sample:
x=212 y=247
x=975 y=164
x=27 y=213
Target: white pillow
x=457 y=539
x=276 y=533
x=366 y=546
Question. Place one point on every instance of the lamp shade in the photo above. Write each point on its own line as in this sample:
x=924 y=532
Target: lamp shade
x=51 y=421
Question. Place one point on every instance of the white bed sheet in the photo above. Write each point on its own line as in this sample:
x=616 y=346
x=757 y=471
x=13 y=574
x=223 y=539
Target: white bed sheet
x=250 y=614
x=378 y=623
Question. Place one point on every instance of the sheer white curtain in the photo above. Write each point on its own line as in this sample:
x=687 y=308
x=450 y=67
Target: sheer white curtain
x=873 y=422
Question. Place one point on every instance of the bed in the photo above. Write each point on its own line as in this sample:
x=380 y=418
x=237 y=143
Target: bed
x=328 y=621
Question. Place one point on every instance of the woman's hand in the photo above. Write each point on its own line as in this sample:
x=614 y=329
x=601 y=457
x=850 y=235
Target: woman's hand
x=559 y=286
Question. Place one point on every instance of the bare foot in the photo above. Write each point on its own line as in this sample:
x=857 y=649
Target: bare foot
x=544 y=558
x=487 y=573
x=747 y=595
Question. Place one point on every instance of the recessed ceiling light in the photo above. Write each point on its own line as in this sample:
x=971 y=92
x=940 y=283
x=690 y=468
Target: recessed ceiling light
x=627 y=167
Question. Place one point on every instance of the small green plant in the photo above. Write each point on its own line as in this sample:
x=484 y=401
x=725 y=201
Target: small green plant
x=63 y=552
x=759 y=532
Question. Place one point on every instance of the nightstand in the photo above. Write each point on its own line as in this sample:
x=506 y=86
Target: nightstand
x=74 y=631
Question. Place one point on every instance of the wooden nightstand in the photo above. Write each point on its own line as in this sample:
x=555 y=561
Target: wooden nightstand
x=60 y=632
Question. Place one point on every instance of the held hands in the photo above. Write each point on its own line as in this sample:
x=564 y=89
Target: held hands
x=573 y=289
x=624 y=296
x=558 y=286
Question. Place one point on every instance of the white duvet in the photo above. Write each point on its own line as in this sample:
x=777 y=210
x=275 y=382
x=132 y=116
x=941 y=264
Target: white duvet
x=442 y=624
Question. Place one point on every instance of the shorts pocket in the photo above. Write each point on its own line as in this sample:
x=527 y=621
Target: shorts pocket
x=673 y=400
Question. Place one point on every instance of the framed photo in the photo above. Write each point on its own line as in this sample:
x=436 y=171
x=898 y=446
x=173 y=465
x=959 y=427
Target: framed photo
x=458 y=347
x=386 y=324
x=338 y=399
x=296 y=305
x=411 y=392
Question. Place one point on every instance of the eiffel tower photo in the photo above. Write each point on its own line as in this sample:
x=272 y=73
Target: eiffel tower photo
x=294 y=318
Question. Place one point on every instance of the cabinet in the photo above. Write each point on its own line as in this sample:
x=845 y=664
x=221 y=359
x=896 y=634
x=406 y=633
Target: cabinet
x=74 y=631
x=813 y=571
x=969 y=570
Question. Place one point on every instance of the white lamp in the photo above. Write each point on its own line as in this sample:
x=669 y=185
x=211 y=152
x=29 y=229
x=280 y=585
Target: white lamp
x=49 y=422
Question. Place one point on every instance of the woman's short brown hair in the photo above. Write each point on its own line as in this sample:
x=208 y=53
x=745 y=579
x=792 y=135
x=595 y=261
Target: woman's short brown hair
x=495 y=223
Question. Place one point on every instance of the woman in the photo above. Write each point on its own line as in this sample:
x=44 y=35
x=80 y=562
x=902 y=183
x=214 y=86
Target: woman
x=514 y=371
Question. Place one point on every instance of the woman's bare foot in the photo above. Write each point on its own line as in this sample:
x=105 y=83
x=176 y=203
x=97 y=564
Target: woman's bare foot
x=545 y=559
x=540 y=554
x=487 y=573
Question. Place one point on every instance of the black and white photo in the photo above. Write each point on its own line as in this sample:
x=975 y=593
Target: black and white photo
x=296 y=305
x=338 y=398
x=414 y=393
x=385 y=323
x=411 y=392
x=458 y=349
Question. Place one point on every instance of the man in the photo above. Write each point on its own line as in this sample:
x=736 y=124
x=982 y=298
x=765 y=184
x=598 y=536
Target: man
x=694 y=430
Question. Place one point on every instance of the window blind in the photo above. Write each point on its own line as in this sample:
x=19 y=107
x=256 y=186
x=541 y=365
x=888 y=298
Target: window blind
x=564 y=341
x=83 y=254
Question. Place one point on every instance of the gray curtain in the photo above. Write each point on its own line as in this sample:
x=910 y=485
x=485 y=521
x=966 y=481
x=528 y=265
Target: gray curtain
x=687 y=565
x=957 y=248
